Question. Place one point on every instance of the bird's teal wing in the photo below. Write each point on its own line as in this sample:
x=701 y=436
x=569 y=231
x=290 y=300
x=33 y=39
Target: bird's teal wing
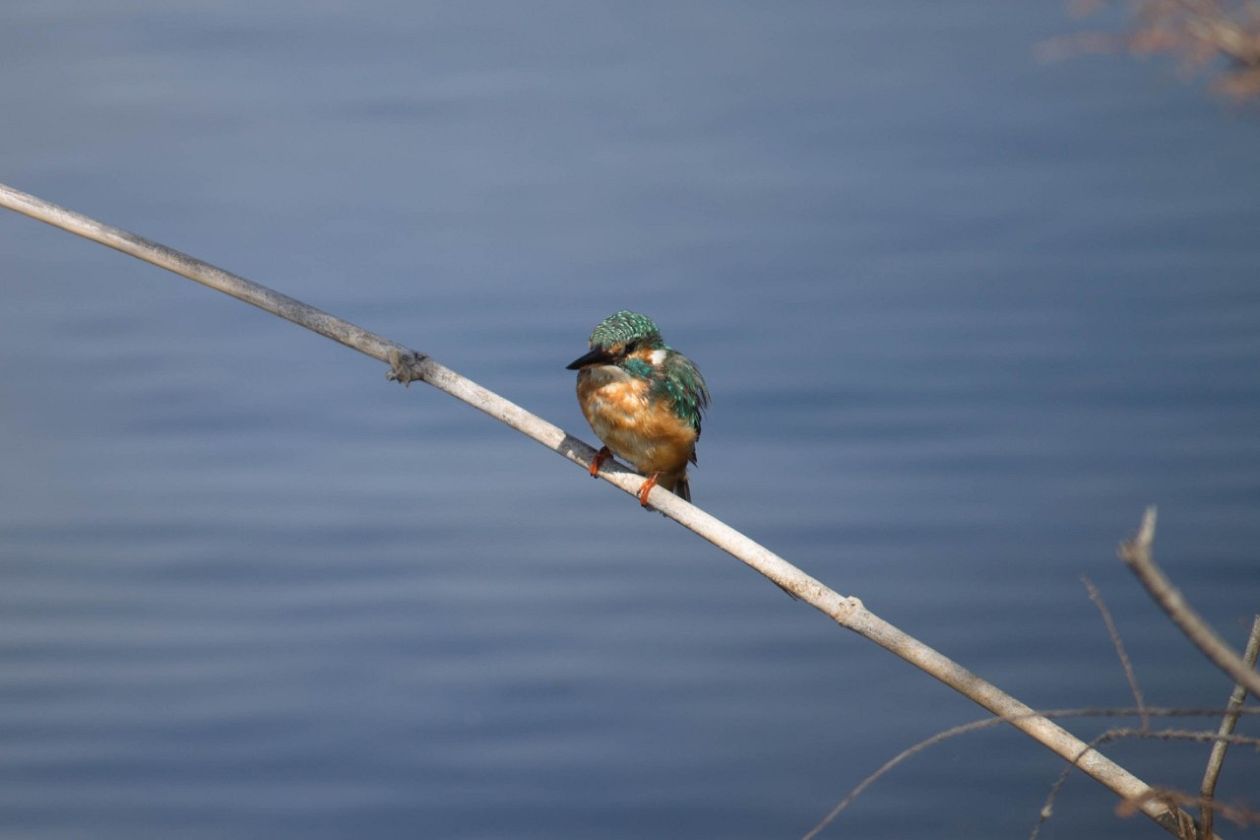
x=680 y=381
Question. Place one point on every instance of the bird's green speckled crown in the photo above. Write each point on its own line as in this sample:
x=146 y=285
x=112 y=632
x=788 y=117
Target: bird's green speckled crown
x=624 y=327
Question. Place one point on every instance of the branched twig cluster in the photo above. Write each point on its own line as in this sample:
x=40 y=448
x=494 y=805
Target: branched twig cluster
x=1240 y=815
x=1199 y=33
x=1138 y=556
x=1053 y=714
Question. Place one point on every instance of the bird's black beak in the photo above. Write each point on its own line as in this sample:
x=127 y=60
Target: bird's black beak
x=598 y=356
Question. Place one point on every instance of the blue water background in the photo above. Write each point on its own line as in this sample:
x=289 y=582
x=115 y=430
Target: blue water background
x=963 y=314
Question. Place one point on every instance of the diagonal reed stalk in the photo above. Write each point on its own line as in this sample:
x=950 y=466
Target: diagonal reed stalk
x=409 y=366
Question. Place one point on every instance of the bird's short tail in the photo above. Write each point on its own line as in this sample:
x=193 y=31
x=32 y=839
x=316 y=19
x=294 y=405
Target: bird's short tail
x=682 y=489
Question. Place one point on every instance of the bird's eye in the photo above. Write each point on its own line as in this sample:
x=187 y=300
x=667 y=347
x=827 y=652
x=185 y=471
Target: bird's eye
x=631 y=347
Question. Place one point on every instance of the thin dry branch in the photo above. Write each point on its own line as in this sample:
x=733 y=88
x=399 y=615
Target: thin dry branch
x=1114 y=633
x=1207 y=790
x=860 y=788
x=1198 y=736
x=1047 y=807
x=409 y=366
x=1136 y=554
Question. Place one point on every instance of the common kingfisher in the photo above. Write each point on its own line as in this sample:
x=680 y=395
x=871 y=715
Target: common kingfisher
x=643 y=399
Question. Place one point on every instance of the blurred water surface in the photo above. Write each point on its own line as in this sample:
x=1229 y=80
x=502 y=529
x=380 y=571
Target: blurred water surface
x=963 y=316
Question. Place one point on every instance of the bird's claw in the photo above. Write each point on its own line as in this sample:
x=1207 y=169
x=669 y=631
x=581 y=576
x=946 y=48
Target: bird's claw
x=601 y=456
x=646 y=489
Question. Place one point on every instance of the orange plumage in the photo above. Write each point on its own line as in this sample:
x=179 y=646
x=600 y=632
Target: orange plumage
x=644 y=432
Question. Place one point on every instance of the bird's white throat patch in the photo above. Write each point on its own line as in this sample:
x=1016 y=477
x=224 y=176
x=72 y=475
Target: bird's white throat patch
x=605 y=374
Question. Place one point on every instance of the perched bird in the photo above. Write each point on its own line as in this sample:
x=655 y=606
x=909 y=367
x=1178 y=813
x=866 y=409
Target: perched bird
x=643 y=399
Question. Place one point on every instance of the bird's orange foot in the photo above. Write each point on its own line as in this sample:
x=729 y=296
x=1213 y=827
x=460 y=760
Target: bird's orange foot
x=601 y=456
x=647 y=488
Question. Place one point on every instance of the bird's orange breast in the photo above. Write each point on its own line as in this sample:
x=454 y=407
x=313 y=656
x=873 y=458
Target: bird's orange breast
x=642 y=431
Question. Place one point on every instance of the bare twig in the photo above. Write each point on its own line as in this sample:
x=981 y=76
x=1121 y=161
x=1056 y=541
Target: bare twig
x=408 y=366
x=860 y=788
x=1197 y=735
x=1207 y=790
x=1136 y=553
x=1129 y=673
x=1047 y=808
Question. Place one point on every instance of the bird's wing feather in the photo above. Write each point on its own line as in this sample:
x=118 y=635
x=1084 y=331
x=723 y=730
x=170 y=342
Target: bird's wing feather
x=679 y=379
